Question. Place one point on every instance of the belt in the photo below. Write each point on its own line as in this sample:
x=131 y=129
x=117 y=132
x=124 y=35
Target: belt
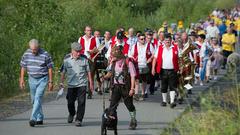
x=168 y=69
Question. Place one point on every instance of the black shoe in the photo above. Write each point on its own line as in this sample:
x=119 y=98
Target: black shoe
x=32 y=123
x=180 y=100
x=100 y=93
x=164 y=104
x=39 y=122
x=78 y=123
x=70 y=118
x=172 y=105
x=89 y=96
x=189 y=92
x=133 y=124
x=145 y=95
x=151 y=93
x=106 y=90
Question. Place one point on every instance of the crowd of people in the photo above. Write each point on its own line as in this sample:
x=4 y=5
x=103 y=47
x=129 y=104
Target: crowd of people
x=135 y=64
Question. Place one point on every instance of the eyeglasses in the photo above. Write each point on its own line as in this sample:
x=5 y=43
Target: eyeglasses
x=141 y=38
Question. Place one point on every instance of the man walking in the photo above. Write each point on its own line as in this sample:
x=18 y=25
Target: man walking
x=38 y=64
x=76 y=67
x=166 y=62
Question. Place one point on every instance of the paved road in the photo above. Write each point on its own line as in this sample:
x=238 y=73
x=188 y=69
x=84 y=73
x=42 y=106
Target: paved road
x=152 y=118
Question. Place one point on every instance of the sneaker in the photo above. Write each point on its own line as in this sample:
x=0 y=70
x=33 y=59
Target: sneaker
x=133 y=124
x=39 y=122
x=172 y=105
x=215 y=78
x=146 y=95
x=32 y=123
x=70 y=118
x=163 y=104
x=201 y=84
x=78 y=123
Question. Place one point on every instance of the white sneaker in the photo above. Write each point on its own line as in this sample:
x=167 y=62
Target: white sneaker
x=215 y=78
x=201 y=84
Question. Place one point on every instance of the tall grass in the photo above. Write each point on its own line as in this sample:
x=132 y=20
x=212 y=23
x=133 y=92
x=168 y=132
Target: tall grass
x=218 y=114
x=57 y=23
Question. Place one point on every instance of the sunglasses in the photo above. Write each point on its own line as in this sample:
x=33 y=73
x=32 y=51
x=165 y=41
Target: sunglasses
x=141 y=38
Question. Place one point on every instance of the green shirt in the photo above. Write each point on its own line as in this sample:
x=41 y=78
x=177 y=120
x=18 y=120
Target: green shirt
x=76 y=71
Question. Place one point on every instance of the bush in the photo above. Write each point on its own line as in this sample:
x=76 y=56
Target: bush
x=57 y=23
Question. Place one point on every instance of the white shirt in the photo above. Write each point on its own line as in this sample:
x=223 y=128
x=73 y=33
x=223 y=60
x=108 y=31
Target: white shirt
x=212 y=31
x=167 y=57
x=107 y=43
x=87 y=43
x=203 y=49
x=132 y=41
x=142 y=60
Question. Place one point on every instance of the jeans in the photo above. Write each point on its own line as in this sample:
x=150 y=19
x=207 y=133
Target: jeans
x=37 y=88
x=203 y=69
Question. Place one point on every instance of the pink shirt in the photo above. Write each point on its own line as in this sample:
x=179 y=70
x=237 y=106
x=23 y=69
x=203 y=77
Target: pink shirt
x=118 y=69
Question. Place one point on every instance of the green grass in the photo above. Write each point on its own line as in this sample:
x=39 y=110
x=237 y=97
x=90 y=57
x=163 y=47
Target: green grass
x=57 y=23
x=218 y=114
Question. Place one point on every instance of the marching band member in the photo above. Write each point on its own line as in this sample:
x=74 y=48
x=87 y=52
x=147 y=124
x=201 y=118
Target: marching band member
x=166 y=62
x=142 y=55
x=89 y=49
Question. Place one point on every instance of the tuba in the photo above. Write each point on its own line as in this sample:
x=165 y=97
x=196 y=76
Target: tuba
x=187 y=66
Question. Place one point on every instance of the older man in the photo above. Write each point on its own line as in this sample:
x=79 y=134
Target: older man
x=76 y=67
x=38 y=64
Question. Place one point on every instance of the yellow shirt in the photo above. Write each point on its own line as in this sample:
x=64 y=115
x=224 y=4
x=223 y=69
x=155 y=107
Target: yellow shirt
x=162 y=30
x=201 y=32
x=238 y=24
x=217 y=21
x=228 y=41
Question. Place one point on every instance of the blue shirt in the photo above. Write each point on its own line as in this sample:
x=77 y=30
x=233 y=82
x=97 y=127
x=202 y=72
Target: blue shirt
x=222 y=28
x=37 y=65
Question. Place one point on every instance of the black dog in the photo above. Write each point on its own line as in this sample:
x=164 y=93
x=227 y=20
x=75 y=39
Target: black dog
x=109 y=121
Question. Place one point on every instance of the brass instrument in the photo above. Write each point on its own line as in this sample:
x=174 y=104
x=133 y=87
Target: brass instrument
x=186 y=66
x=185 y=61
